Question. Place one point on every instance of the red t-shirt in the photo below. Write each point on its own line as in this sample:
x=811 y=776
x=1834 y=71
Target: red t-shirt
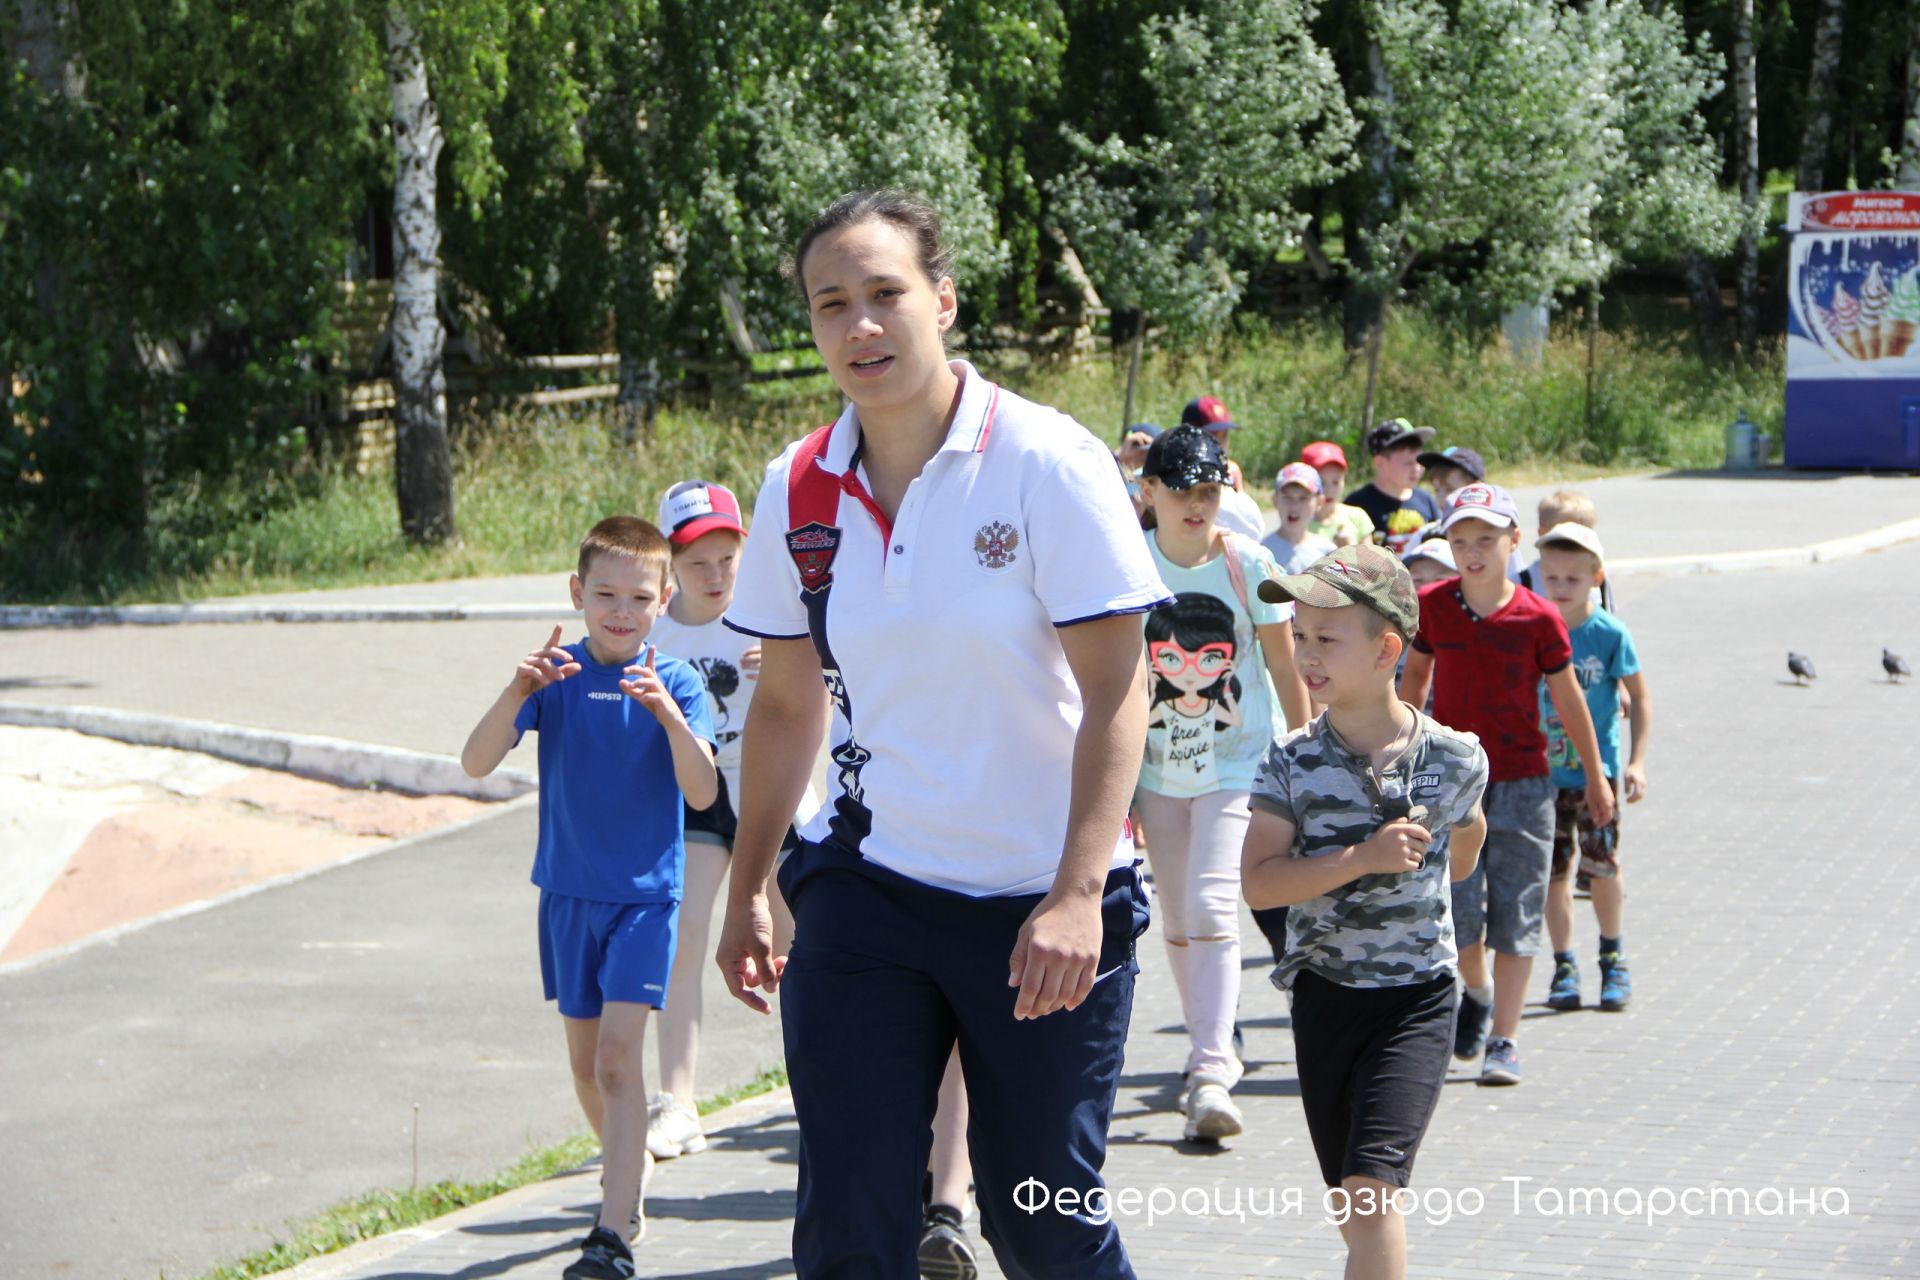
x=1486 y=672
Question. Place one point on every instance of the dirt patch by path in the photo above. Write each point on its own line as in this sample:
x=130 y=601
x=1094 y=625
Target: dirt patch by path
x=101 y=834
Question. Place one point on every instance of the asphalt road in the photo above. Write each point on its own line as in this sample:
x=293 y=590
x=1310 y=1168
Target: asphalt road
x=171 y=1100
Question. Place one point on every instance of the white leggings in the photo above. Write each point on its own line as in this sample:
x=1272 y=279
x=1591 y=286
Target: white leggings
x=1193 y=845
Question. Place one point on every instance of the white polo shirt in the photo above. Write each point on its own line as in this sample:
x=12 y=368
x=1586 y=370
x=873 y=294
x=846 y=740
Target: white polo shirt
x=955 y=710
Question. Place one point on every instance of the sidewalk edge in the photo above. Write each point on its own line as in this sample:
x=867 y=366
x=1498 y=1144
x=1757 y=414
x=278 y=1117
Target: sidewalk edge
x=19 y=617
x=341 y=1261
x=336 y=760
x=1843 y=548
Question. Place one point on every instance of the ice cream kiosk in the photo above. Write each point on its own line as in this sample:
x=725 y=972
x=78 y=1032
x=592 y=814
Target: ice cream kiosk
x=1853 y=314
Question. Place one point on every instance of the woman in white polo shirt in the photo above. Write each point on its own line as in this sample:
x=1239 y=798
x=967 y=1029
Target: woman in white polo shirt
x=964 y=569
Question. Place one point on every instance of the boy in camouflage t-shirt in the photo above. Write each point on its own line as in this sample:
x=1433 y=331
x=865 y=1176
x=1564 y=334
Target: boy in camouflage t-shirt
x=1361 y=821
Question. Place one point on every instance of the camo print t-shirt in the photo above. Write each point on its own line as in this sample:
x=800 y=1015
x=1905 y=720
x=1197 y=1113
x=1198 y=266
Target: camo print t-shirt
x=1378 y=930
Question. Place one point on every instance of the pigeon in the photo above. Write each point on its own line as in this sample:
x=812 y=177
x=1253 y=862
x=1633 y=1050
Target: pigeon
x=1801 y=666
x=1895 y=665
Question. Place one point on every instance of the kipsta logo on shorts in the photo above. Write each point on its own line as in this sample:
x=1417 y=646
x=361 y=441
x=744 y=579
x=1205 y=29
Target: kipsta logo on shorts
x=994 y=545
x=813 y=547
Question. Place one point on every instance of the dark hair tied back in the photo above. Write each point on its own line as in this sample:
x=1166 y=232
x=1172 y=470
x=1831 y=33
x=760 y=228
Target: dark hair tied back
x=910 y=213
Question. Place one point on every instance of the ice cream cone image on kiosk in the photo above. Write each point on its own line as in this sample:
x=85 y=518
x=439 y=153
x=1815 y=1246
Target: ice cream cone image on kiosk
x=1874 y=296
x=1903 y=316
x=1843 y=321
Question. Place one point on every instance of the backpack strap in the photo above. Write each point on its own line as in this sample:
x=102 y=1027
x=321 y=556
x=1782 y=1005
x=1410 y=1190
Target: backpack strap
x=1236 y=573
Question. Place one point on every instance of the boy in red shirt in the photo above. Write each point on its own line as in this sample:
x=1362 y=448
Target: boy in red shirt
x=1484 y=644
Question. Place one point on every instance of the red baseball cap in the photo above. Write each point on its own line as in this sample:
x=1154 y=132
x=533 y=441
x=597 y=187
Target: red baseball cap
x=694 y=507
x=1322 y=453
x=1207 y=412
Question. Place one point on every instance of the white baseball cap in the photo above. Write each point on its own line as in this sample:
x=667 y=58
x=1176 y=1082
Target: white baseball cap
x=1437 y=550
x=1567 y=533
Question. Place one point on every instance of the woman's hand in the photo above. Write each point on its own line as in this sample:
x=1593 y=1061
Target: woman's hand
x=1054 y=960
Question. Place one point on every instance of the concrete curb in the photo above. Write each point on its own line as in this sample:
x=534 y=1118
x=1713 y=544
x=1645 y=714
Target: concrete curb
x=349 y=764
x=354 y=1257
x=19 y=617
x=1857 y=544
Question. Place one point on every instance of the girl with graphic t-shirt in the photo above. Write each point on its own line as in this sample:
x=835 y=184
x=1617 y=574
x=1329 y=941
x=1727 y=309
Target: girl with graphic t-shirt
x=1215 y=661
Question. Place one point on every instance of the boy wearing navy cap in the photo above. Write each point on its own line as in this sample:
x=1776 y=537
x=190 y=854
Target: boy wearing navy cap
x=1399 y=507
x=1451 y=469
x=610 y=858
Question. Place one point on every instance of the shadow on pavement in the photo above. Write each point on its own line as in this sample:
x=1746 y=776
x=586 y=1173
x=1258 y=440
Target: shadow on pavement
x=775 y=1133
x=758 y=1271
x=480 y=1270
x=532 y=1226
x=43 y=682
x=729 y=1206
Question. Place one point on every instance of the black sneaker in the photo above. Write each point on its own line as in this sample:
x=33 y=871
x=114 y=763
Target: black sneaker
x=603 y=1256
x=945 y=1251
x=1470 y=1028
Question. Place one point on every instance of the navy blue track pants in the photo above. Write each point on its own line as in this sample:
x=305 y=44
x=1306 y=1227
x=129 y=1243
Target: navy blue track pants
x=885 y=973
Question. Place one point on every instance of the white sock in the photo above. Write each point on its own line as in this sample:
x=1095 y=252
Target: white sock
x=1484 y=995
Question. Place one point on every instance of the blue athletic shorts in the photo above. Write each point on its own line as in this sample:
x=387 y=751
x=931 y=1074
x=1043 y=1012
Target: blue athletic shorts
x=592 y=952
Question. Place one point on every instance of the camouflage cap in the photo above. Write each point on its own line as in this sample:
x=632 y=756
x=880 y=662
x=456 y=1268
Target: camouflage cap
x=1359 y=574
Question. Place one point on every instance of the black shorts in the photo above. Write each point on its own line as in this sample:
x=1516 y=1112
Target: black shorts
x=717 y=820
x=718 y=824
x=1372 y=1062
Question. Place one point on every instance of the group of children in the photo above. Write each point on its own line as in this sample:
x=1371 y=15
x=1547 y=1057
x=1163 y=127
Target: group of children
x=1461 y=722
x=1396 y=744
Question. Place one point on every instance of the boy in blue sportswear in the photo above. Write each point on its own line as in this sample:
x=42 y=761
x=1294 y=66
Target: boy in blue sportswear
x=1571 y=570
x=625 y=740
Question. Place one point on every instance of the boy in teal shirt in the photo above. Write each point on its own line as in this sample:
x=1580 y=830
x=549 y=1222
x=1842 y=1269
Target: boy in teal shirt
x=1572 y=566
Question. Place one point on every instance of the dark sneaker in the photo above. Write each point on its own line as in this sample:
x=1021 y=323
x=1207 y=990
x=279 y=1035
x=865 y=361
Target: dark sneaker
x=1503 y=1062
x=1565 y=991
x=945 y=1251
x=1616 y=983
x=1470 y=1028
x=603 y=1256
x=1582 y=885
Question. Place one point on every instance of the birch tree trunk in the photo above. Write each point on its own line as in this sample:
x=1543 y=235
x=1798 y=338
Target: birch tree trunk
x=1811 y=175
x=1909 y=177
x=1746 y=117
x=422 y=465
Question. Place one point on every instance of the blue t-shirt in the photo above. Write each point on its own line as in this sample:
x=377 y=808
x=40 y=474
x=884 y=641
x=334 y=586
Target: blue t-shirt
x=610 y=808
x=1603 y=654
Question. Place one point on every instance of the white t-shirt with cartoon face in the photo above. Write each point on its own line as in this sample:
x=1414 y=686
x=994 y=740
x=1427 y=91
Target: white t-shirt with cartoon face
x=1212 y=703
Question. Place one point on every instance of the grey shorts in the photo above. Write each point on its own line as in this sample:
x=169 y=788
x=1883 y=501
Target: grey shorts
x=1503 y=901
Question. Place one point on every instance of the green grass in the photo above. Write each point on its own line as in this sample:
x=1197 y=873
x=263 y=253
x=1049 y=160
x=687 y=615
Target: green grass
x=528 y=485
x=385 y=1210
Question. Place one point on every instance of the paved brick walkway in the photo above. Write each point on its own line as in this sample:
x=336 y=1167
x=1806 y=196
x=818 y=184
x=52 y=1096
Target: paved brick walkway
x=1772 y=1049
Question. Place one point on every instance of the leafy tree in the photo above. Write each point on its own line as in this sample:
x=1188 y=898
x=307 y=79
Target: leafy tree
x=1246 y=113
x=1664 y=199
x=1504 y=125
x=866 y=99
x=1005 y=69
x=171 y=233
